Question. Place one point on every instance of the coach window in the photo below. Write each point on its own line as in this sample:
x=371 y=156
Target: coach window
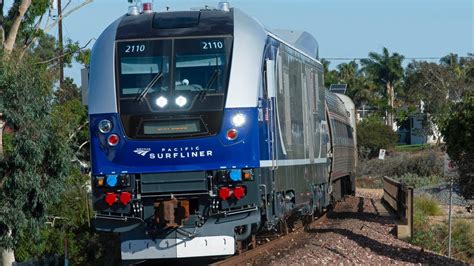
x=283 y=102
x=296 y=105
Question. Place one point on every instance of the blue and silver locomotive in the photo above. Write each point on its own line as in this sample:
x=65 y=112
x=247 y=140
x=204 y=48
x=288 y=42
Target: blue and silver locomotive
x=207 y=128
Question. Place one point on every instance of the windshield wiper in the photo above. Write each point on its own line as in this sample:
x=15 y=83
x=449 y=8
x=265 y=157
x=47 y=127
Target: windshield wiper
x=212 y=79
x=143 y=93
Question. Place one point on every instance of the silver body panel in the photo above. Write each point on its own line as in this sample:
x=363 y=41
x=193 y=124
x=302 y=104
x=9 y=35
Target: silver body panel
x=350 y=107
x=102 y=92
x=343 y=148
x=245 y=75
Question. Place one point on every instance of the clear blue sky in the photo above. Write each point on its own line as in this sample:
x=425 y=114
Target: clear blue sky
x=343 y=28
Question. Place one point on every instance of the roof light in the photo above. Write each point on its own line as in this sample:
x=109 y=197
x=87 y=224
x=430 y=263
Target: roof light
x=110 y=198
x=181 y=101
x=161 y=102
x=239 y=192
x=232 y=134
x=238 y=120
x=105 y=126
x=113 y=140
x=125 y=197
x=133 y=11
x=224 y=6
x=147 y=8
x=224 y=193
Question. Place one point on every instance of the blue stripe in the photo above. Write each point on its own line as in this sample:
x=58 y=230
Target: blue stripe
x=203 y=153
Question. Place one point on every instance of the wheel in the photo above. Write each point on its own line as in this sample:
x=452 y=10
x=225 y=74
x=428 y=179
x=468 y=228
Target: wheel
x=283 y=227
x=307 y=220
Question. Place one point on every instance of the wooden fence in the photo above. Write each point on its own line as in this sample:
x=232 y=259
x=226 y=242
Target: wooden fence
x=399 y=197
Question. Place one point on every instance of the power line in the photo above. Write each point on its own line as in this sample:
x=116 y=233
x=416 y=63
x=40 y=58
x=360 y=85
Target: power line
x=406 y=58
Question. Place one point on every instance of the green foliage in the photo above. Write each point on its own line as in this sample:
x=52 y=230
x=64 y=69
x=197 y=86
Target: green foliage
x=417 y=181
x=438 y=85
x=433 y=238
x=372 y=135
x=28 y=26
x=434 y=235
x=35 y=167
x=427 y=206
x=463 y=239
x=384 y=68
x=70 y=217
x=457 y=128
x=412 y=148
x=427 y=165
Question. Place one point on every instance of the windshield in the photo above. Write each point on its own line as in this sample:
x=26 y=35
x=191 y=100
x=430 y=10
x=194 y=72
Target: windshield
x=172 y=78
x=199 y=74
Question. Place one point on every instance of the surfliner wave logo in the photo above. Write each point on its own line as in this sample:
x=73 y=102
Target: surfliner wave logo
x=142 y=151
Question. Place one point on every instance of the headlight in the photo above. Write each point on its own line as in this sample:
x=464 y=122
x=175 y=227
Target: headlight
x=181 y=101
x=161 y=102
x=238 y=120
x=105 y=126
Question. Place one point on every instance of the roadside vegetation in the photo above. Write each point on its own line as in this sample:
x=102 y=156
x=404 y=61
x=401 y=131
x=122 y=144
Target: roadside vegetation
x=432 y=234
x=417 y=169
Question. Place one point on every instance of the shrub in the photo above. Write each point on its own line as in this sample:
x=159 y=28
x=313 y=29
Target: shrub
x=427 y=206
x=434 y=237
x=420 y=181
x=463 y=238
x=372 y=135
x=424 y=164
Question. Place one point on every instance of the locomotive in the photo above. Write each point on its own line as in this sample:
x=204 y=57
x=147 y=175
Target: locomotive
x=207 y=128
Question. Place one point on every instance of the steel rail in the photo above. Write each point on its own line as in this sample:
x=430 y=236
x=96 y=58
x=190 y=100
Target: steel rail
x=267 y=248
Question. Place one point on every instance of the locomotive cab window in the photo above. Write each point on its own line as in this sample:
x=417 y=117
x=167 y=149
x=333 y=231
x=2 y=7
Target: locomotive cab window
x=166 y=80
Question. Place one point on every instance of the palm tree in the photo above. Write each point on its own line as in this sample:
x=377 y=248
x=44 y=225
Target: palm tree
x=385 y=70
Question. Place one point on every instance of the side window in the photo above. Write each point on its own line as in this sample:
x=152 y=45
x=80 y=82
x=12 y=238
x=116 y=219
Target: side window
x=349 y=132
x=283 y=101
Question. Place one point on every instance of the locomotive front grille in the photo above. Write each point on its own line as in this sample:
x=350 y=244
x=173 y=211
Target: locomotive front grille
x=173 y=182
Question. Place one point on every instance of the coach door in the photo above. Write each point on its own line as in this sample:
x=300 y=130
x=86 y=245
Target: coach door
x=270 y=82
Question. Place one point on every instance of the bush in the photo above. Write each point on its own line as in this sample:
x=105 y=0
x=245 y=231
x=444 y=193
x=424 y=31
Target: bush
x=427 y=206
x=372 y=135
x=434 y=237
x=463 y=239
x=423 y=165
x=417 y=181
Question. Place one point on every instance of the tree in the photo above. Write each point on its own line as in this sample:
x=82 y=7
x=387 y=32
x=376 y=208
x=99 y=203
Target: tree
x=36 y=159
x=458 y=130
x=372 y=136
x=36 y=165
x=386 y=71
x=434 y=87
x=330 y=76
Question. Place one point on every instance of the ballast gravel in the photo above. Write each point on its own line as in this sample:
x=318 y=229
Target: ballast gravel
x=357 y=231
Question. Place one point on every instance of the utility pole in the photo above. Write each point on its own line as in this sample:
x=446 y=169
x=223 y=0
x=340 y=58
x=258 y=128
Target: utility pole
x=450 y=215
x=61 y=48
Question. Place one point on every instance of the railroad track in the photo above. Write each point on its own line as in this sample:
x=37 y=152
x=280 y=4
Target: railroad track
x=266 y=248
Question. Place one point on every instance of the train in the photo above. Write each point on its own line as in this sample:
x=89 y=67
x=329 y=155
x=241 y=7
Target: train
x=207 y=128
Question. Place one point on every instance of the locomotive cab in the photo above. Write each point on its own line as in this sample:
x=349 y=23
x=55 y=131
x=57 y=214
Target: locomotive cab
x=205 y=128
x=172 y=156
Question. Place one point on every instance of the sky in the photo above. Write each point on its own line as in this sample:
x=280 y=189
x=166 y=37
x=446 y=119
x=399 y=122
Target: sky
x=343 y=28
